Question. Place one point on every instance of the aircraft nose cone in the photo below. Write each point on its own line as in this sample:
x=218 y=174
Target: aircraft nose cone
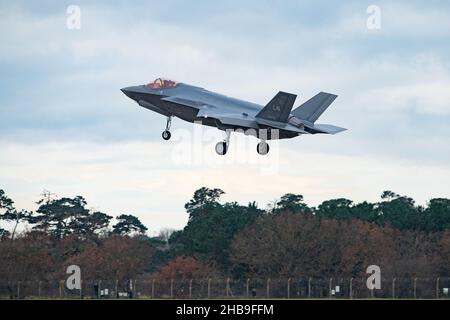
x=127 y=91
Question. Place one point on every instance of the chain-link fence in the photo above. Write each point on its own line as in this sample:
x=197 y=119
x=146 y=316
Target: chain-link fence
x=251 y=288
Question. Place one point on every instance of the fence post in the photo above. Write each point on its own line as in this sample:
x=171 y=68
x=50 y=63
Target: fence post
x=437 y=287
x=171 y=288
x=415 y=288
x=247 y=287
x=351 y=288
x=153 y=288
x=99 y=284
x=190 y=289
x=60 y=288
x=209 y=288
x=227 y=287
x=289 y=288
x=329 y=287
x=135 y=295
x=39 y=288
x=81 y=289
x=309 y=288
x=18 y=289
x=116 y=288
x=268 y=288
x=393 y=288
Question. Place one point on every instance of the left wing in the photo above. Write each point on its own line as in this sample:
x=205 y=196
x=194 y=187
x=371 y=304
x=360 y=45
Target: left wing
x=184 y=102
x=232 y=119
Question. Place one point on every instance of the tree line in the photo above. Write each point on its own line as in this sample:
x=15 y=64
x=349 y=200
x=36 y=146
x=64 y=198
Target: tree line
x=288 y=239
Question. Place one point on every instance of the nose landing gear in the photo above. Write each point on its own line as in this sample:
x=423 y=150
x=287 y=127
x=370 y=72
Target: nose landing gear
x=166 y=133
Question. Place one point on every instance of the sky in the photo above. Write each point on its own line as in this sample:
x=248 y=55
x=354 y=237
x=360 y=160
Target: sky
x=66 y=127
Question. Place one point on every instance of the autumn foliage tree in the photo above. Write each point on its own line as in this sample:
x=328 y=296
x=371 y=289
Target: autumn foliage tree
x=183 y=267
x=339 y=238
x=114 y=258
x=303 y=245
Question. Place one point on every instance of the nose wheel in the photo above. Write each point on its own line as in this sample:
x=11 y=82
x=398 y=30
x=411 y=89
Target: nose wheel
x=166 y=133
x=262 y=148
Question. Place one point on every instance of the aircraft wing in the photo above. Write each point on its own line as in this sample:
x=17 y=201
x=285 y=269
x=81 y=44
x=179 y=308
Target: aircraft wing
x=232 y=119
x=183 y=101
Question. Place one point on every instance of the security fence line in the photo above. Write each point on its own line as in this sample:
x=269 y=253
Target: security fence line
x=213 y=288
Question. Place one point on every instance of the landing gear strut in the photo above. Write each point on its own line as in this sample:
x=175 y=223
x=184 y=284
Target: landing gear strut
x=166 y=133
x=262 y=148
x=222 y=147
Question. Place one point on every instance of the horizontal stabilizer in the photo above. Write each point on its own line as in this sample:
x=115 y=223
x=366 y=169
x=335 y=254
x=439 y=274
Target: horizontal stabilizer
x=279 y=108
x=312 y=109
x=327 y=128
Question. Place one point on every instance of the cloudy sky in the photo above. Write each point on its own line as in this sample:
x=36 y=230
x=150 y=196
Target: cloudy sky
x=66 y=127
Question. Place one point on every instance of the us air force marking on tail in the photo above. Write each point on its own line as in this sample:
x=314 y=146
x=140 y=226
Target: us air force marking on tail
x=195 y=104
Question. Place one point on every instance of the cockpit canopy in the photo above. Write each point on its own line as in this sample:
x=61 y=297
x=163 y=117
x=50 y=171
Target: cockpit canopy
x=162 y=83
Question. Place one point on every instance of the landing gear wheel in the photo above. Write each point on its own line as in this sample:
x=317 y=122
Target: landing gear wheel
x=166 y=135
x=221 y=148
x=262 y=148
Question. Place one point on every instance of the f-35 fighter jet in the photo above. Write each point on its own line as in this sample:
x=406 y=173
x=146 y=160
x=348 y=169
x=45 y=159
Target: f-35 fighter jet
x=195 y=104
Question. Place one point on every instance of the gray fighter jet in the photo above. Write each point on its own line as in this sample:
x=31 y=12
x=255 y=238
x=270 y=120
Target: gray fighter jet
x=195 y=104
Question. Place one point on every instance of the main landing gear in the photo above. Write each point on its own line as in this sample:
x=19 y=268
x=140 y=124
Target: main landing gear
x=222 y=147
x=262 y=148
x=166 y=133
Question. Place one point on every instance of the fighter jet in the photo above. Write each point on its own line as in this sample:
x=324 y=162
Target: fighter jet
x=276 y=120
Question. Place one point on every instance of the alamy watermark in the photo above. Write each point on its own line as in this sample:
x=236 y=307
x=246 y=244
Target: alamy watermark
x=73 y=20
x=374 y=280
x=73 y=282
x=198 y=147
x=374 y=19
